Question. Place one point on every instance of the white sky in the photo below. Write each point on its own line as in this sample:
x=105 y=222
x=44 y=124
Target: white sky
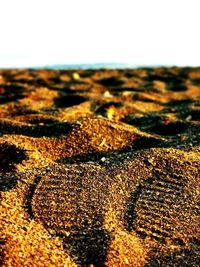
x=138 y=32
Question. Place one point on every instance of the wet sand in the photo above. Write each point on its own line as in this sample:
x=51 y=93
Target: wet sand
x=100 y=167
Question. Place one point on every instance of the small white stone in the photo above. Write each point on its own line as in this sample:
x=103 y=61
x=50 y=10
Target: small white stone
x=107 y=94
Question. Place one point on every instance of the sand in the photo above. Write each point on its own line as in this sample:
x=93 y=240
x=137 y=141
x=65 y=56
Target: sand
x=100 y=167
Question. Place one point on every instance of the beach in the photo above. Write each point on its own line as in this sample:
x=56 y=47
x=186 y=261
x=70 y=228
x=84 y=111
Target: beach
x=100 y=167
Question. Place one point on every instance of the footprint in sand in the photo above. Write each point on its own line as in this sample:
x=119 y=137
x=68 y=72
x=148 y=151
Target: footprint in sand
x=156 y=201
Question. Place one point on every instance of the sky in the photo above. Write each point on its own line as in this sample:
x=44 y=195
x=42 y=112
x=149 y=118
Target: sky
x=135 y=32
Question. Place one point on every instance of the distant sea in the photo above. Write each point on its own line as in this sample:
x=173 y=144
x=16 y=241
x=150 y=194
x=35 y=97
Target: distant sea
x=102 y=66
x=91 y=66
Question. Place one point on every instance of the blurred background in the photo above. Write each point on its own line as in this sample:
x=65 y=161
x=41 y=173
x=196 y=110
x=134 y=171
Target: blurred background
x=131 y=33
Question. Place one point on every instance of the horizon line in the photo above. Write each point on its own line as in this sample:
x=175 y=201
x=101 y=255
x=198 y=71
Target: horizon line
x=106 y=65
